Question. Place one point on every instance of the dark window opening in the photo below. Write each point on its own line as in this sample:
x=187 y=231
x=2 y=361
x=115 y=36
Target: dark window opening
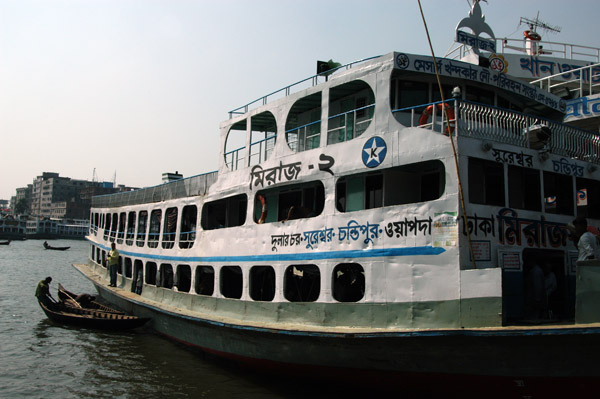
x=121 y=233
x=588 y=198
x=128 y=267
x=130 y=228
x=107 y=221
x=303 y=124
x=151 y=273
x=524 y=190
x=262 y=283
x=165 y=276
x=138 y=280
x=486 y=182
x=558 y=193
x=188 y=226
x=302 y=283
x=231 y=282
x=423 y=181
x=114 y=226
x=227 y=212
x=348 y=282
x=183 y=278
x=141 y=230
x=204 y=283
x=479 y=95
x=169 y=228
x=351 y=109
x=154 y=233
x=291 y=202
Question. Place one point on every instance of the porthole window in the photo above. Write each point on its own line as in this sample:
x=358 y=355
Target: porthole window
x=183 y=278
x=348 y=282
x=151 y=273
x=302 y=283
x=262 y=283
x=204 y=282
x=231 y=282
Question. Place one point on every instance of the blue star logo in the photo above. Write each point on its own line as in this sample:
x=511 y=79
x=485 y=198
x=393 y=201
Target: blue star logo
x=374 y=152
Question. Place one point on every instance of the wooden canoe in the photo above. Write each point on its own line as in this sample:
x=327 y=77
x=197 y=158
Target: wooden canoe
x=94 y=319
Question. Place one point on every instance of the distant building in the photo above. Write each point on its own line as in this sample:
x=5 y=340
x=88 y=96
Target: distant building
x=53 y=196
x=168 y=177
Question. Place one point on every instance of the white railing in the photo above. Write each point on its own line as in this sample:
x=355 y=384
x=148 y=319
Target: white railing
x=555 y=49
x=500 y=125
x=583 y=81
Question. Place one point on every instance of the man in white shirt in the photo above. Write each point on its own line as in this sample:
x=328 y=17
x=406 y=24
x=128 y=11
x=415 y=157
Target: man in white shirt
x=585 y=241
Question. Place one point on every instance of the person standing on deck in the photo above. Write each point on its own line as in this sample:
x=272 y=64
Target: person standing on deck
x=584 y=240
x=42 y=292
x=113 y=264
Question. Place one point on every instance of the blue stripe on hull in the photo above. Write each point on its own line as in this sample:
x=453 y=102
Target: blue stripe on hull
x=367 y=253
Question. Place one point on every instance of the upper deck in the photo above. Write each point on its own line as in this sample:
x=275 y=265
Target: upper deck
x=378 y=91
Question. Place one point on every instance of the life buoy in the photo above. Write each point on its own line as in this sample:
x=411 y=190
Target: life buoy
x=440 y=109
x=531 y=35
x=263 y=214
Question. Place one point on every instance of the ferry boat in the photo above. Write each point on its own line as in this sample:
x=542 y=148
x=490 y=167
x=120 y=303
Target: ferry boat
x=370 y=227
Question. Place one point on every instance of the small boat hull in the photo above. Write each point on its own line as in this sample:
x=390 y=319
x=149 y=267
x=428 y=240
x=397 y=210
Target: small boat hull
x=92 y=319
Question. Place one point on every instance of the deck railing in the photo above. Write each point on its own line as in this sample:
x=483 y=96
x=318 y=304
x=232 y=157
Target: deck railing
x=581 y=82
x=189 y=187
x=499 y=125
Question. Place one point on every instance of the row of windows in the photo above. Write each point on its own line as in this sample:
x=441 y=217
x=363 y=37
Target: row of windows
x=423 y=181
x=532 y=189
x=300 y=283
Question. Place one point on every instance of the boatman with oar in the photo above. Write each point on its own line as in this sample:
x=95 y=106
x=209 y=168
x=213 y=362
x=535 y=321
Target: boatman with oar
x=113 y=263
x=42 y=292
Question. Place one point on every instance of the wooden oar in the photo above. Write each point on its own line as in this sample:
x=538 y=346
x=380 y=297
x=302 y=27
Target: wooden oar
x=70 y=297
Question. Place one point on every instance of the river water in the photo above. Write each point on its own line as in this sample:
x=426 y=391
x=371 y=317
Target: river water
x=41 y=359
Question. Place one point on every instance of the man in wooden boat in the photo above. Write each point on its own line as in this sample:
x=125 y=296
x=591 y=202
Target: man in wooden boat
x=42 y=292
x=113 y=264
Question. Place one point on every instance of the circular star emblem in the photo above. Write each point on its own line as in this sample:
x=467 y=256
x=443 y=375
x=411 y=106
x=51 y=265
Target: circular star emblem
x=374 y=152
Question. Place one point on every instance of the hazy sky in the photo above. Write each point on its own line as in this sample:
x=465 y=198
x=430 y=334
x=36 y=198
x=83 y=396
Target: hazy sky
x=139 y=87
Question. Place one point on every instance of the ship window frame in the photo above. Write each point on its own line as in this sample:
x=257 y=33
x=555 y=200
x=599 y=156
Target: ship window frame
x=524 y=188
x=562 y=186
x=303 y=123
x=389 y=187
x=351 y=111
x=130 y=229
x=137 y=280
x=290 y=202
x=486 y=185
x=189 y=222
x=140 y=236
x=224 y=212
x=294 y=277
x=231 y=281
x=263 y=291
x=150 y=273
x=183 y=278
x=169 y=230
x=199 y=283
x=121 y=227
x=341 y=282
x=154 y=228
x=166 y=277
x=128 y=267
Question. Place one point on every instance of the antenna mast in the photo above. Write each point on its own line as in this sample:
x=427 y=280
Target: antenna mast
x=537 y=23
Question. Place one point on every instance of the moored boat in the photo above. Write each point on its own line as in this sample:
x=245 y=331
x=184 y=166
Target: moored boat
x=373 y=225
x=89 y=318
